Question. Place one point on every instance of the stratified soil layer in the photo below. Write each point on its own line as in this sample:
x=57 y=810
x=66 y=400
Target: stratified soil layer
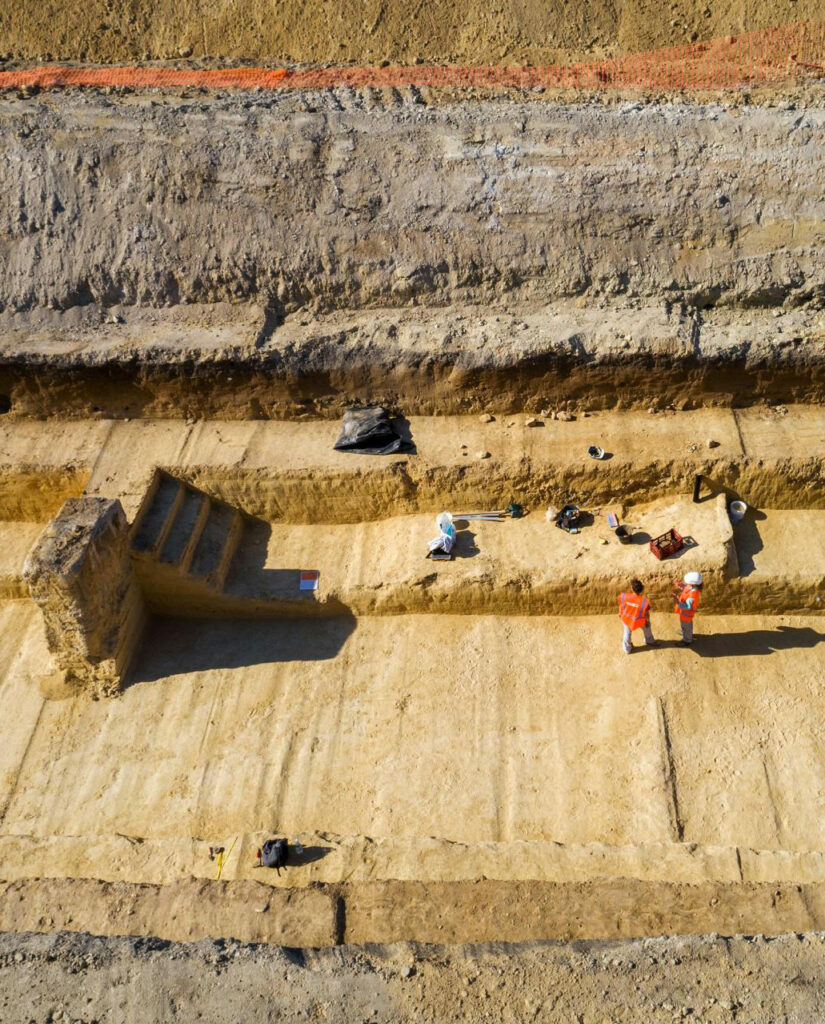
x=281 y=256
x=297 y=204
x=331 y=31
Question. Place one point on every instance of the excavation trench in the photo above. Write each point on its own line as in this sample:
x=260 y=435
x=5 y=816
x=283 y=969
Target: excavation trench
x=462 y=749
x=436 y=735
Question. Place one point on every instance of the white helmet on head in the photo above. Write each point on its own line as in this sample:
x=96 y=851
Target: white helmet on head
x=693 y=579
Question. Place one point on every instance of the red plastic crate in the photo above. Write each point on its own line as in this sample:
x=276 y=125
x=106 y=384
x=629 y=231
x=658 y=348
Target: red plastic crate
x=668 y=544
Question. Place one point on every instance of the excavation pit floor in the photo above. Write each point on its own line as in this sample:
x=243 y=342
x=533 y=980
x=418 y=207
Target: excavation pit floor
x=422 y=732
x=442 y=726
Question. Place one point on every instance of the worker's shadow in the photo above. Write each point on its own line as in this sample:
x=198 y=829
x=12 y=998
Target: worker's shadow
x=756 y=642
x=465 y=541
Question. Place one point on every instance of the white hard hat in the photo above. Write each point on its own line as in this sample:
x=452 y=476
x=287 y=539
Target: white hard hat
x=444 y=519
x=693 y=578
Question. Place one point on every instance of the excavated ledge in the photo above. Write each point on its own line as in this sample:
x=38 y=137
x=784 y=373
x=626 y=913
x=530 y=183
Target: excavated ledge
x=231 y=362
x=377 y=912
x=328 y=859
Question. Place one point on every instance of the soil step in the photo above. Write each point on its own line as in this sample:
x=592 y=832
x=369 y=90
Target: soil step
x=327 y=858
x=217 y=545
x=285 y=471
x=157 y=514
x=186 y=540
x=187 y=528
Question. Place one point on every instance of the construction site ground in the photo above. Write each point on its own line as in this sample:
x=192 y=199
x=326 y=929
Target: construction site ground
x=494 y=813
x=657 y=980
x=462 y=749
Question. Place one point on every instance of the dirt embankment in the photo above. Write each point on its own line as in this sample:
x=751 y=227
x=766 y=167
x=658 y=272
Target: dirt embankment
x=257 y=256
x=374 y=30
x=138 y=981
x=302 y=203
x=434 y=912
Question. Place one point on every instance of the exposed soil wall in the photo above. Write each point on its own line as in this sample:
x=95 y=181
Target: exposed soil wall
x=477 y=911
x=282 y=256
x=302 y=202
x=233 y=362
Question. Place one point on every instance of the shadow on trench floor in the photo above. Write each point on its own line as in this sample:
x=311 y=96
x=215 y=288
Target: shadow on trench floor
x=176 y=646
x=754 y=641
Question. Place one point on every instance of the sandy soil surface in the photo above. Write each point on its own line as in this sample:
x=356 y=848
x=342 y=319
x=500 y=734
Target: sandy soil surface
x=505 y=31
x=713 y=980
x=289 y=472
x=420 y=726
x=429 y=764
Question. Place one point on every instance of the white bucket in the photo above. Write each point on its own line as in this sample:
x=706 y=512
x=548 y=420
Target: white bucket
x=737 y=510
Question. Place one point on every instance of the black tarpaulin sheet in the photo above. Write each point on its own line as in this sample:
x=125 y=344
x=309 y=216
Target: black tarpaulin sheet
x=369 y=431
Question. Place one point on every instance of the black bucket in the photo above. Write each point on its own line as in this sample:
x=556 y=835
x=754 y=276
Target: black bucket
x=623 y=534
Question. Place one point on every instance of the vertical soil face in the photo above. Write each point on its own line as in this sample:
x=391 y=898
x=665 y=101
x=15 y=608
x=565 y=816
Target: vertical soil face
x=255 y=256
x=295 y=203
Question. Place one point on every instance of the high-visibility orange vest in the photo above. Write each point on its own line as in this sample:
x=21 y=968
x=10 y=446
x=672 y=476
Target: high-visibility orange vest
x=685 y=594
x=633 y=609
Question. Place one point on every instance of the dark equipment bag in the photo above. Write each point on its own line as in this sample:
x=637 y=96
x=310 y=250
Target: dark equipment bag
x=273 y=853
x=568 y=517
x=369 y=431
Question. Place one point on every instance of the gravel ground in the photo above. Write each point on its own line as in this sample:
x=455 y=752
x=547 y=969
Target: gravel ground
x=82 y=978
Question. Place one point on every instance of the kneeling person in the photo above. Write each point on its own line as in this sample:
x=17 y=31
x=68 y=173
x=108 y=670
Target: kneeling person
x=634 y=611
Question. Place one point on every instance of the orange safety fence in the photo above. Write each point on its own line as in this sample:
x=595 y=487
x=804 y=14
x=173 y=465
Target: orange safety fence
x=753 y=58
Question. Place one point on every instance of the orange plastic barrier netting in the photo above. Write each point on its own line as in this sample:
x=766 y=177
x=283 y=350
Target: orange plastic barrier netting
x=754 y=58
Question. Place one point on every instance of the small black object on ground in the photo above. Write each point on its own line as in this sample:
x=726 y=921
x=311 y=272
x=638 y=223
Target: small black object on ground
x=569 y=518
x=370 y=431
x=273 y=854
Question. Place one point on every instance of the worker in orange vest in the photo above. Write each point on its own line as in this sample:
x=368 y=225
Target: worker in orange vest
x=687 y=596
x=634 y=611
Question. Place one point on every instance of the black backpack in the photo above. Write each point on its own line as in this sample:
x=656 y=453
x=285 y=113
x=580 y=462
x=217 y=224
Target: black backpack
x=568 y=518
x=273 y=853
